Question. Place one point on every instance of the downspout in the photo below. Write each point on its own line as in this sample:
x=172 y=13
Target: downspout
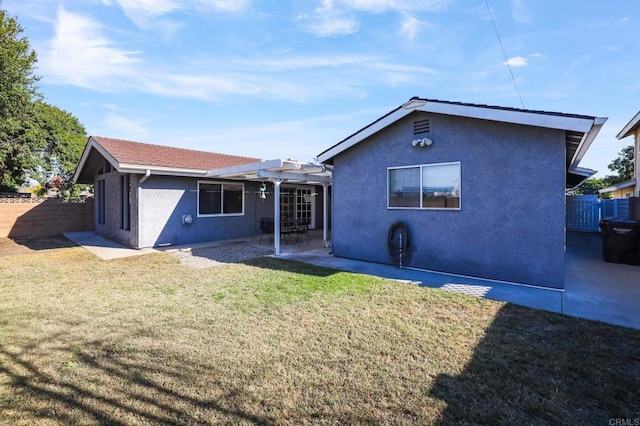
x=145 y=177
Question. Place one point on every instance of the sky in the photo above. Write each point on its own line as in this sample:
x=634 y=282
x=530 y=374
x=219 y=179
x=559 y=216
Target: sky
x=291 y=78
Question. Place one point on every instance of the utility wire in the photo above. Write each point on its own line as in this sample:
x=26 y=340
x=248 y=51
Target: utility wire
x=495 y=27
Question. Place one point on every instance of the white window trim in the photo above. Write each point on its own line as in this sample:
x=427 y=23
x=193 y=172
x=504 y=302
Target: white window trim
x=420 y=166
x=216 y=182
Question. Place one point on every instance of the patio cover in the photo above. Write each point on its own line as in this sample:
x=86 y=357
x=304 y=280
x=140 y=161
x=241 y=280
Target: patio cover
x=279 y=171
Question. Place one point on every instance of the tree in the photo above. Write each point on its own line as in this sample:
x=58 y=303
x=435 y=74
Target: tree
x=592 y=185
x=63 y=139
x=623 y=165
x=37 y=140
x=18 y=91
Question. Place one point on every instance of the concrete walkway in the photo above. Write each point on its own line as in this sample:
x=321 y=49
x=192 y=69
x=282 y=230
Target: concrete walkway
x=599 y=290
x=102 y=247
x=533 y=297
x=594 y=289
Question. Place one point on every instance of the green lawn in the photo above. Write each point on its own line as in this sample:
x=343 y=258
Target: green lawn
x=145 y=340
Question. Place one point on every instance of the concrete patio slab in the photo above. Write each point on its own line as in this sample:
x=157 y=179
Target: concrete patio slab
x=103 y=247
x=599 y=290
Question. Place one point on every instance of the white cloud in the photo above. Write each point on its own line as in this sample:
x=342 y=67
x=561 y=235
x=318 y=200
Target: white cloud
x=378 y=6
x=520 y=12
x=410 y=27
x=144 y=13
x=125 y=127
x=280 y=139
x=80 y=55
x=516 y=61
x=328 y=21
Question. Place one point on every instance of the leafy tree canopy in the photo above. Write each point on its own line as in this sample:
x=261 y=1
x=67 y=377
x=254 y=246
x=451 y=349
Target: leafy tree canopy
x=592 y=185
x=623 y=165
x=37 y=140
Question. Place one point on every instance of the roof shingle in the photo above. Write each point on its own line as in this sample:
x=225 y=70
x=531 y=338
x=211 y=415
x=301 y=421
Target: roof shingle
x=144 y=154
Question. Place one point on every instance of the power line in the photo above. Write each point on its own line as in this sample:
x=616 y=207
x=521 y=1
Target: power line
x=495 y=27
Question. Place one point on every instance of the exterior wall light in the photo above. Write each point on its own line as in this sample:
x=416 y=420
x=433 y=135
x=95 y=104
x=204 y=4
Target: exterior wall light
x=187 y=219
x=422 y=142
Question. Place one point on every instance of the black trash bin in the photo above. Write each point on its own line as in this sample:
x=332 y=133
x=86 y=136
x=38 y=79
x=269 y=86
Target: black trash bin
x=620 y=240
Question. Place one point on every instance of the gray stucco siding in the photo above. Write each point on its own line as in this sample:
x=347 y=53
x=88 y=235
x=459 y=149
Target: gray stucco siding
x=511 y=223
x=165 y=199
x=113 y=201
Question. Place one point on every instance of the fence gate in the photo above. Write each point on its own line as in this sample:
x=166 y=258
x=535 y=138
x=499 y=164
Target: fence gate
x=583 y=213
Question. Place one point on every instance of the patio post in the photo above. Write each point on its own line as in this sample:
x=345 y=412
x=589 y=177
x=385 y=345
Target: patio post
x=276 y=216
x=325 y=214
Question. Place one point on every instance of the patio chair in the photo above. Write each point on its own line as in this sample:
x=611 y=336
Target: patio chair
x=266 y=227
x=302 y=231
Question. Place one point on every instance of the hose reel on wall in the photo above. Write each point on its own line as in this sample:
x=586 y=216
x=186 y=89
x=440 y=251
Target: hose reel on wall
x=398 y=243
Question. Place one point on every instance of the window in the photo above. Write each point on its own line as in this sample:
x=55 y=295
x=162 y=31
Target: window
x=429 y=186
x=100 y=201
x=215 y=199
x=125 y=202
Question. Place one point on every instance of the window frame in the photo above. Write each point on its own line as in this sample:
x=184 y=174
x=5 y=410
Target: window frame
x=420 y=167
x=222 y=185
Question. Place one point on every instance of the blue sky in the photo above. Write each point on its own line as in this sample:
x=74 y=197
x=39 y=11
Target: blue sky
x=290 y=78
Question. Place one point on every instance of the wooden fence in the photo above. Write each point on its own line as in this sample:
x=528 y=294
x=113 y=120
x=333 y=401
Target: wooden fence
x=24 y=217
x=585 y=211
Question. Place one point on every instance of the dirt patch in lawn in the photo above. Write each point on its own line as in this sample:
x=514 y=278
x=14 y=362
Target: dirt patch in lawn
x=208 y=257
x=26 y=245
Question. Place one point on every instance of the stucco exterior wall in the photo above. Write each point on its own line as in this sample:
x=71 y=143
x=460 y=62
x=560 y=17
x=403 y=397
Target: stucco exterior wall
x=111 y=228
x=164 y=200
x=511 y=223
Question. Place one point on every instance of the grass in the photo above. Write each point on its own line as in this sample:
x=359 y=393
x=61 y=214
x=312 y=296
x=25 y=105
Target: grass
x=145 y=340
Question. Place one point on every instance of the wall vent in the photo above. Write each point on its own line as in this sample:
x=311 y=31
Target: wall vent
x=421 y=126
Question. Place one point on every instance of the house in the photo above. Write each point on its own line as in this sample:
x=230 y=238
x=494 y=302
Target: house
x=479 y=188
x=632 y=128
x=621 y=190
x=152 y=195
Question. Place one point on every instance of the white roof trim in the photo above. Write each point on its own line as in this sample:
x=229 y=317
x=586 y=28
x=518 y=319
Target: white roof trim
x=289 y=170
x=628 y=129
x=363 y=134
x=585 y=143
x=92 y=143
x=527 y=118
x=134 y=168
x=621 y=185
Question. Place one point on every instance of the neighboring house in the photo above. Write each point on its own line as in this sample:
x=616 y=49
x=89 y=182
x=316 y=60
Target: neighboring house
x=480 y=188
x=621 y=190
x=633 y=128
x=152 y=195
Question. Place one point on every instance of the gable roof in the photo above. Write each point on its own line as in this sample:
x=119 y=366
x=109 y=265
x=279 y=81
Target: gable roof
x=136 y=157
x=630 y=127
x=580 y=130
x=621 y=185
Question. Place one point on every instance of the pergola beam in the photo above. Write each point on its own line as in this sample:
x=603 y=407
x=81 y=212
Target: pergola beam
x=298 y=177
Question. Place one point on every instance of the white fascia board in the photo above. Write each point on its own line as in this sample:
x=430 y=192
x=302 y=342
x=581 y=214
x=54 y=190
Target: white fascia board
x=630 y=127
x=363 y=134
x=91 y=143
x=159 y=170
x=526 y=118
x=296 y=177
x=586 y=142
x=621 y=185
x=83 y=159
x=551 y=121
x=252 y=168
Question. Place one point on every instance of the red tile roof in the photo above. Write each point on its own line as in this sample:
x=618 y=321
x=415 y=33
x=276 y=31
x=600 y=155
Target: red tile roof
x=144 y=154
